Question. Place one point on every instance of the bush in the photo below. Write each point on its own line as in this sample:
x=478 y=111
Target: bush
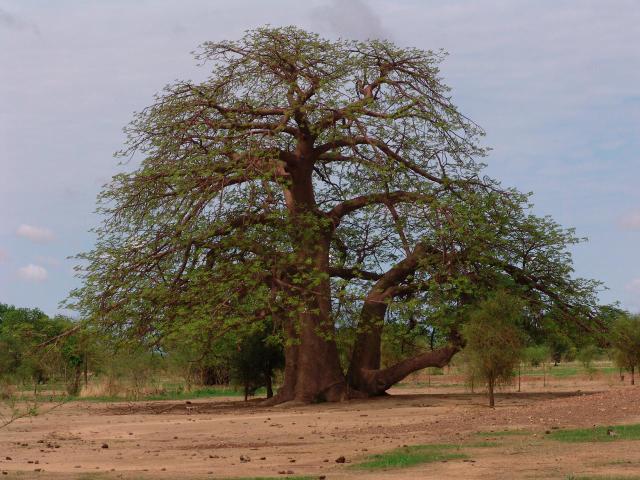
x=586 y=355
x=625 y=342
x=537 y=355
x=494 y=342
x=258 y=354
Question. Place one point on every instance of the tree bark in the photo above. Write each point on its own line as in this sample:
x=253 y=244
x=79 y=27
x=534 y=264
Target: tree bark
x=269 y=385
x=312 y=364
x=492 y=401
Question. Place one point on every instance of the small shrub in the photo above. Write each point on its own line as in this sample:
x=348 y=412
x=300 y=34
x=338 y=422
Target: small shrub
x=7 y=391
x=493 y=341
x=537 y=355
x=625 y=340
x=586 y=356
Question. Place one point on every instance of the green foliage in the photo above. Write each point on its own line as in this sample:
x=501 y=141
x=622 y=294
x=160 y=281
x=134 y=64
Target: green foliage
x=400 y=341
x=536 y=355
x=35 y=348
x=625 y=341
x=586 y=355
x=494 y=342
x=410 y=456
x=200 y=360
x=258 y=354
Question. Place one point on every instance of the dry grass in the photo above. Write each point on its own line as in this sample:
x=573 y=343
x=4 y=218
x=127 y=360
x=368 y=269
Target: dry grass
x=108 y=387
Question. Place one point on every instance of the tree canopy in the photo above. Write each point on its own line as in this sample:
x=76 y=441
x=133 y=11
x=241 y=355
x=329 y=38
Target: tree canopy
x=321 y=186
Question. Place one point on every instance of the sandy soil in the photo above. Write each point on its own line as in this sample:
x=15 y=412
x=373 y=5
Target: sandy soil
x=230 y=438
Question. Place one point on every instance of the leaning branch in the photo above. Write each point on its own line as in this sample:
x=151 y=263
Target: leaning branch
x=379 y=381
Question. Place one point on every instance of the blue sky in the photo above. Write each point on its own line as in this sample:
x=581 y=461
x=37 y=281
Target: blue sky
x=556 y=85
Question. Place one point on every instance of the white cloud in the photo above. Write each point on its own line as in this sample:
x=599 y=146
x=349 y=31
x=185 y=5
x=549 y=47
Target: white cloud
x=33 y=273
x=37 y=234
x=631 y=221
x=350 y=19
x=634 y=286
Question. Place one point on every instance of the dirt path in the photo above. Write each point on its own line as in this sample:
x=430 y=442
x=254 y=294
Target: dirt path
x=228 y=438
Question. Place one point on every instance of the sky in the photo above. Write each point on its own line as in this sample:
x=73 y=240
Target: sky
x=555 y=84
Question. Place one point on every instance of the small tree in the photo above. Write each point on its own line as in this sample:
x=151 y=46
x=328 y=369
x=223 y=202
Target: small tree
x=258 y=355
x=538 y=355
x=586 y=355
x=625 y=340
x=493 y=340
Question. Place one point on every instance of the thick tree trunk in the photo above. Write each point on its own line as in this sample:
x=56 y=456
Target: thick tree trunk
x=319 y=376
x=312 y=364
x=633 y=379
x=312 y=371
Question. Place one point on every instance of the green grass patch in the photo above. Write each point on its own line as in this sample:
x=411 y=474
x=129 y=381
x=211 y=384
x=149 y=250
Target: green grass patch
x=597 y=434
x=409 y=456
x=610 y=370
x=563 y=371
x=558 y=372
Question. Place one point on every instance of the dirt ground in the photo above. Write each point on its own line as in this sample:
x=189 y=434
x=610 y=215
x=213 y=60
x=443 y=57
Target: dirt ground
x=225 y=438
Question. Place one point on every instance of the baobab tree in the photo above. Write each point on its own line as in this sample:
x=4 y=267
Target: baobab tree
x=317 y=185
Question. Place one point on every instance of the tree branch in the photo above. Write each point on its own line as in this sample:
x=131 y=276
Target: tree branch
x=351 y=205
x=350 y=273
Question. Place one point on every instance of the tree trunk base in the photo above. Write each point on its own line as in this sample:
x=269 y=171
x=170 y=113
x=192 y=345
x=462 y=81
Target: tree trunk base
x=338 y=393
